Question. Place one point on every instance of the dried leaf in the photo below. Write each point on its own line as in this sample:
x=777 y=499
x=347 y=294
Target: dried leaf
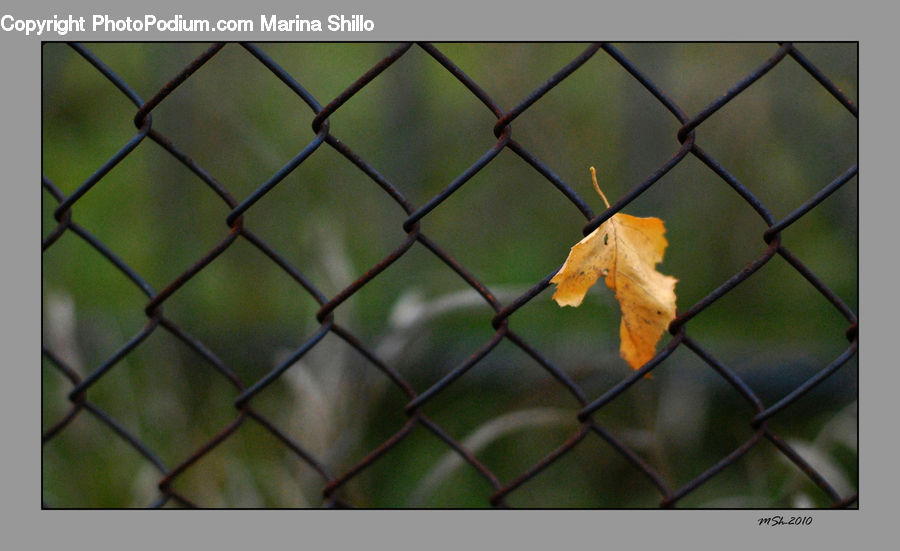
x=625 y=251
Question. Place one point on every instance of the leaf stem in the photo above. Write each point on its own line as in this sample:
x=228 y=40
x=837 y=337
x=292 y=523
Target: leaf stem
x=597 y=186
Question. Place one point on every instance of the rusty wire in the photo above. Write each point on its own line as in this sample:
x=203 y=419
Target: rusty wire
x=585 y=425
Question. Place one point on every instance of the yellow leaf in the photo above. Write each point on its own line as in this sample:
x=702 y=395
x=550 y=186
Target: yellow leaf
x=625 y=251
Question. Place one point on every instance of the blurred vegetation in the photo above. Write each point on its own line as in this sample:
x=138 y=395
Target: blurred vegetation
x=784 y=138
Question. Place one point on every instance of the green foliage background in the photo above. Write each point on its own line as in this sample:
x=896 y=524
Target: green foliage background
x=784 y=138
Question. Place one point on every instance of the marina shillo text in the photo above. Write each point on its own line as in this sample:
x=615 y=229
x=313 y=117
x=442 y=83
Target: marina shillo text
x=178 y=23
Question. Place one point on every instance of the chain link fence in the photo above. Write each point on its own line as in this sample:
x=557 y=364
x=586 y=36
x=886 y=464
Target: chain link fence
x=286 y=355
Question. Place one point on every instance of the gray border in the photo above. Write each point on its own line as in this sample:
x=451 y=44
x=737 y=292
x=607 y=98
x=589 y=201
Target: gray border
x=566 y=20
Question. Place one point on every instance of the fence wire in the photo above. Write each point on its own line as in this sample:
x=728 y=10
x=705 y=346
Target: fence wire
x=586 y=424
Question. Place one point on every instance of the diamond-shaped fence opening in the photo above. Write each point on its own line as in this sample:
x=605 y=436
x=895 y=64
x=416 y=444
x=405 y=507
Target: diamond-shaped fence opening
x=304 y=275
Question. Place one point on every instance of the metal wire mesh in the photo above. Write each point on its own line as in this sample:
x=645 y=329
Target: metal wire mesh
x=585 y=425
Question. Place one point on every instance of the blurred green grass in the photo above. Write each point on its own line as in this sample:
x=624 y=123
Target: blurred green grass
x=784 y=138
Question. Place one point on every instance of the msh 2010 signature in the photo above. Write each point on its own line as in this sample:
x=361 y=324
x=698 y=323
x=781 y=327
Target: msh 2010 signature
x=779 y=520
